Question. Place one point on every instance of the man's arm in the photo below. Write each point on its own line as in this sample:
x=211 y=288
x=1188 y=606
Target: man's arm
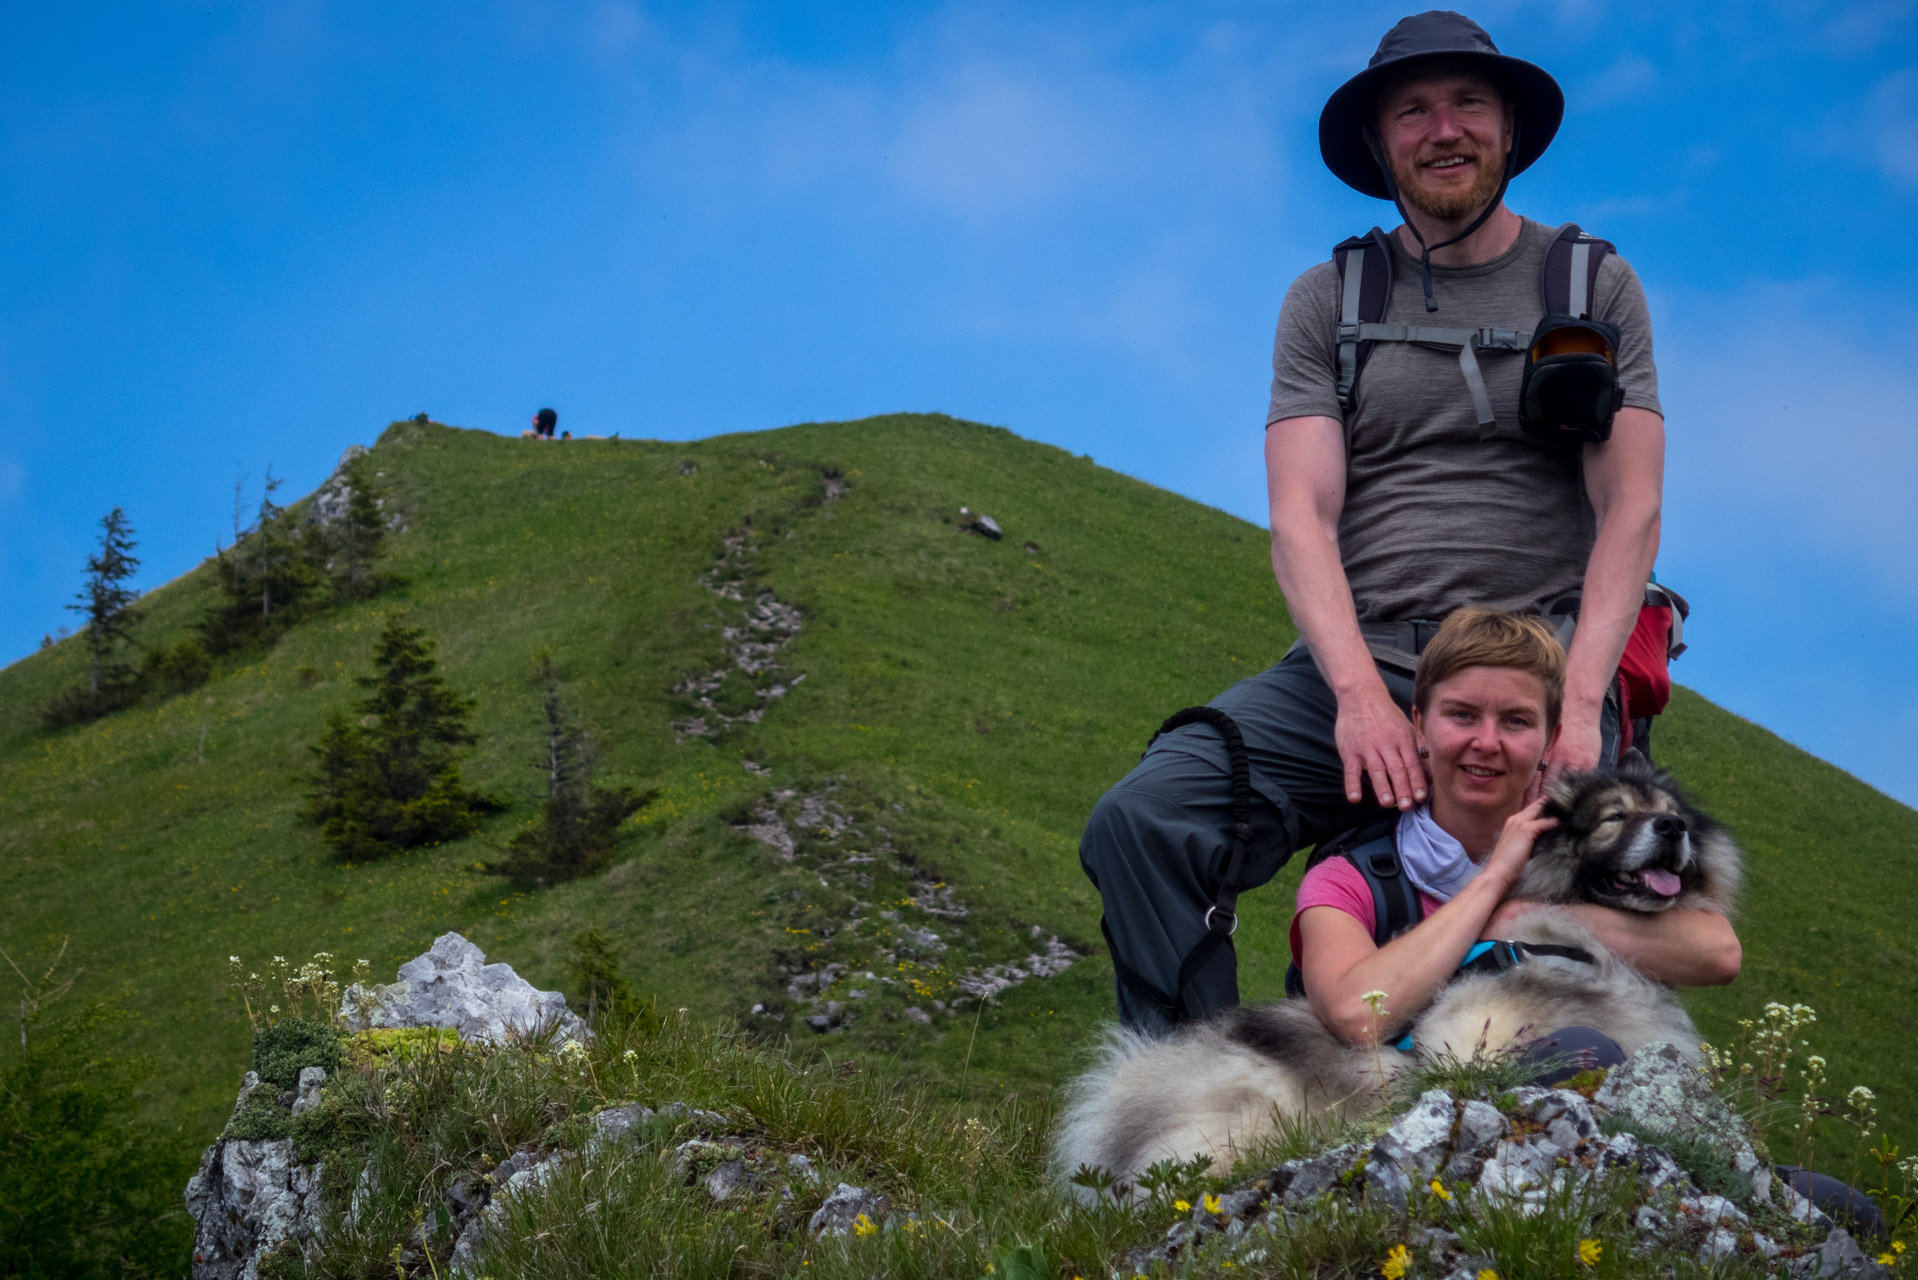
x=1625 y=479
x=1305 y=481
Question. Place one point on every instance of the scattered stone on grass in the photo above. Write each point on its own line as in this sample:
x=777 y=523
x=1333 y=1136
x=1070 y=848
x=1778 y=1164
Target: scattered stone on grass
x=839 y=1213
x=753 y=631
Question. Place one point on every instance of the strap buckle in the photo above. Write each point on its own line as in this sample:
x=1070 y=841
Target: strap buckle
x=1489 y=338
x=1348 y=332
x=1233 y=915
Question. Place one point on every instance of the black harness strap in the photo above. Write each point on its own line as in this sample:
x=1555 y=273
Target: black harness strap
x=1505 y=955
x=1221 y=918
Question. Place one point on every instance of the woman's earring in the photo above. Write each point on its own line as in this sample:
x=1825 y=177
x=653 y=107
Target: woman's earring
x=1424 y=754
x=1541 y=766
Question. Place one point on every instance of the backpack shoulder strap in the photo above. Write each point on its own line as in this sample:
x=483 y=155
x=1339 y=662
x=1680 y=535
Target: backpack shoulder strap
x=1373 y=849
x=1395 y=899
x=1568 y=281
x=1365 y=289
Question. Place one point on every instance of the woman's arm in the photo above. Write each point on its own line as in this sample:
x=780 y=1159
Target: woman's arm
x=1682 y=947
x=1340 y=962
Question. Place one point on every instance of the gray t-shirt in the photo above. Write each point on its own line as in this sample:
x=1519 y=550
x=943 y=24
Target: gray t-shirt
x=1436 y=517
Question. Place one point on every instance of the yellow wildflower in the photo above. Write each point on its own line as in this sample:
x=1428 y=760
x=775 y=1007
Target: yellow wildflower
x=1886 y=1258
x=1438 y=1189
x=1487 y=1274
x=1897 y=1246
x=1182 y=1206
x=1588 y=1251
x=864 y=1226
x=1396 y=1263
x=1211 y=1203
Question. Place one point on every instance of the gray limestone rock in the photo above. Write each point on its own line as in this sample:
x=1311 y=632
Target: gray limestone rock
x=1306 y=1180
x=685 y=1113
x=246 y=1199
x=1660 y=1089
x=728 y=1178
x=1242 y=1204
x=1420 y=1140
x=614 y=1125
x=311 y=1078
x=1718 y=1245
x=839 y=1213
x=329 y=503
x=1519 y=1170
x=1716 y=1211
x=1837 y=1255
x=800 y=1169
x=453 y=986
x=1567 y=1117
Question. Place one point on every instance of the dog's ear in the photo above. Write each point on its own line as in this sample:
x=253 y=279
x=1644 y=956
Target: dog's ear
x=1637 y=767
x=1563 y=796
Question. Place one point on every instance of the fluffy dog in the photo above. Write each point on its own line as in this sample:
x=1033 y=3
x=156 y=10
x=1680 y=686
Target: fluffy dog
x=1625 y=839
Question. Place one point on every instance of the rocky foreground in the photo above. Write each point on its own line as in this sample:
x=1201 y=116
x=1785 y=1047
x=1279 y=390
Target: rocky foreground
x=266 y=1205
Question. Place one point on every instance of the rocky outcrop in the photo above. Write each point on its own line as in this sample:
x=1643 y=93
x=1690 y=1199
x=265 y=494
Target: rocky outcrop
x=254 y=1200
x=1536 y=1147
x=251 y=1199
x=452 y=986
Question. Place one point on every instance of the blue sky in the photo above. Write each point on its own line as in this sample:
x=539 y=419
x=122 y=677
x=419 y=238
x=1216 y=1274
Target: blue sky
x=250 y=234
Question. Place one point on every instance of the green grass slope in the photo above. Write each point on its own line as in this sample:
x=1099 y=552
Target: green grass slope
x=963 y=703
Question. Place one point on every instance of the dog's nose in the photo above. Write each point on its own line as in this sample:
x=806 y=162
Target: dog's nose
x=1667 y=825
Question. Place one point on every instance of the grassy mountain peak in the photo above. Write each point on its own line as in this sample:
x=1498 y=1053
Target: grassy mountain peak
x=874 y=733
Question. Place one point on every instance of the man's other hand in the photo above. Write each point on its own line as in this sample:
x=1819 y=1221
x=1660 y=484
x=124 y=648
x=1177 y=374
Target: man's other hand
x=1576 y=749
x=1375 y=739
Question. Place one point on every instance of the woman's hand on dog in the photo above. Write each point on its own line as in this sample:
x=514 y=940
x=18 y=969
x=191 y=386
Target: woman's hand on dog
x=1514 y=848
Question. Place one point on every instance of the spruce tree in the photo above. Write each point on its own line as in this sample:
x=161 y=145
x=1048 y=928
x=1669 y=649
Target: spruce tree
x=579 y=824
x=390 y=779
x=269 y=576
x=107 y=601
x=359 y=534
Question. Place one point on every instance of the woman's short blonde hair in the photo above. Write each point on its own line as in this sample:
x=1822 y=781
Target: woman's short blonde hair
x=1475 y=637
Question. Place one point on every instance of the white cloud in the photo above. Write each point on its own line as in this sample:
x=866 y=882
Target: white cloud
x=1862 y=26
x=990 y=123
x=1629 y=77
x=988 y=139
x=1793 y=415
x=1891 y=122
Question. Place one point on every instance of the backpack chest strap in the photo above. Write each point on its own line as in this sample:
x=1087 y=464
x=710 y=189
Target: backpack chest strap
x=1467 y=342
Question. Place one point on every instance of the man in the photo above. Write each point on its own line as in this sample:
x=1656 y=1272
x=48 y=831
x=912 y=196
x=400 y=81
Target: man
x=1392 y=507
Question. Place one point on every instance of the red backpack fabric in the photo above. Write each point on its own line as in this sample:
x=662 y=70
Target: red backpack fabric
x=1644 y=671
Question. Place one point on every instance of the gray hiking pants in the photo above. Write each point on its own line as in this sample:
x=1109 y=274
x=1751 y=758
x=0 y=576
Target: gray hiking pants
x=1156 y=845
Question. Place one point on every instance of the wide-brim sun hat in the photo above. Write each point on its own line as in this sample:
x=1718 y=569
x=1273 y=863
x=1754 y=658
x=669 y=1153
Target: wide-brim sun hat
x=1538 y=101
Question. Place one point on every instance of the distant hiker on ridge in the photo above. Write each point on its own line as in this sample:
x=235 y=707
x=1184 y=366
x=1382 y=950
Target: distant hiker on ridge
x=543 y=423
x=1464 y=412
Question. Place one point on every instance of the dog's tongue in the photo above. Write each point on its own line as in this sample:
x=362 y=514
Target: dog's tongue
x=1663 y=883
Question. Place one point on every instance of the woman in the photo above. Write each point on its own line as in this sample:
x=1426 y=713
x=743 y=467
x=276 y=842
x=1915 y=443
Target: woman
x=1486 y=699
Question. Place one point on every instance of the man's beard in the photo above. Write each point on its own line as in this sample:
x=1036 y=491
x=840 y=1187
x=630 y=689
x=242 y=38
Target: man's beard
x=1449 y=206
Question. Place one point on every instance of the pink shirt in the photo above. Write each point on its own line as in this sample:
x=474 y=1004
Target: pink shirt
x=1337 y=883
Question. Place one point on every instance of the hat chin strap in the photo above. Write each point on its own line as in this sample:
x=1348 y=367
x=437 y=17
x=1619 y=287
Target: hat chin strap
x=1425 y=256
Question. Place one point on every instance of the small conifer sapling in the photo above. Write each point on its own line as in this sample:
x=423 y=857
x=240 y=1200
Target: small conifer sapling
x=390 y=780
x=579 y=823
